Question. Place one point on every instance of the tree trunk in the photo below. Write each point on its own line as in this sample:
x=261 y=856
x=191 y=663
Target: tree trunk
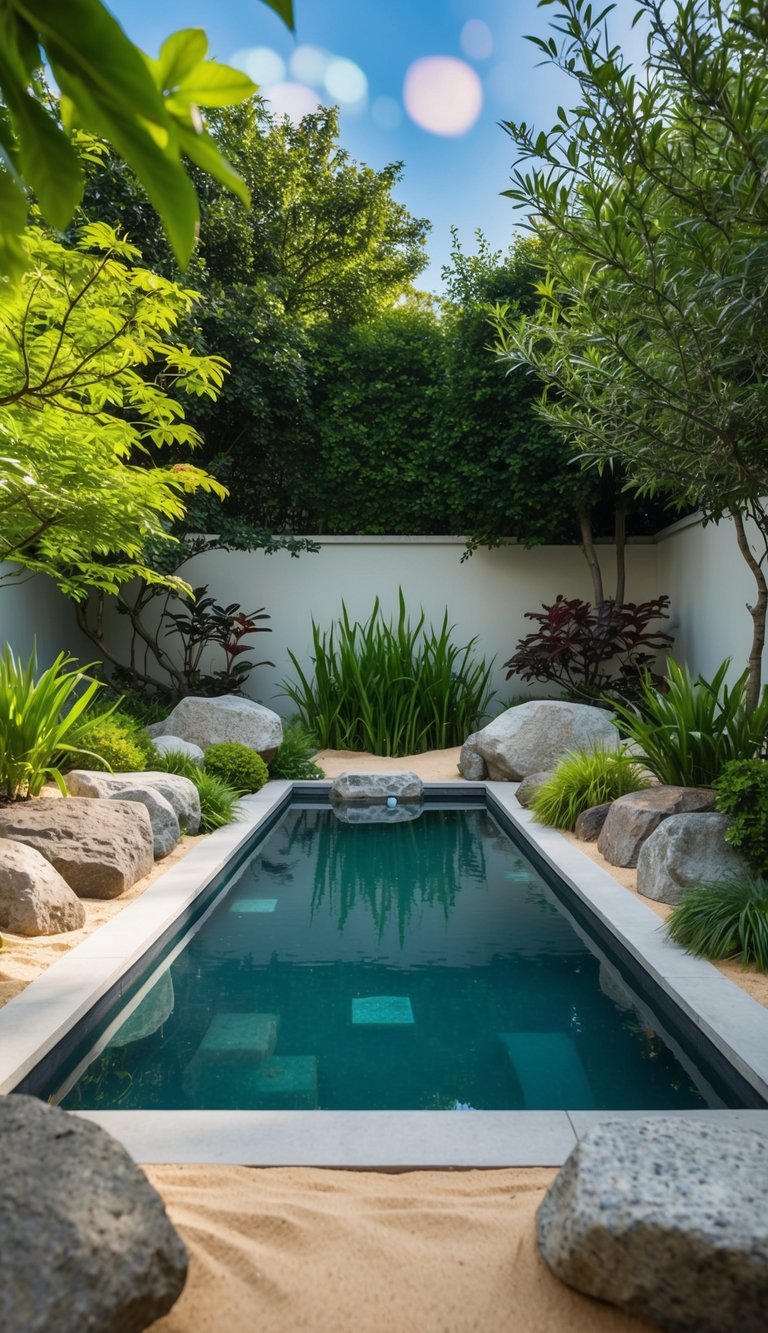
x=620 y=539
x=590 y=555
x=757 y=612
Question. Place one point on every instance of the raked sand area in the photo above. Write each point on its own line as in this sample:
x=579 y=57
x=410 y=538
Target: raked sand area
x=320 y=1251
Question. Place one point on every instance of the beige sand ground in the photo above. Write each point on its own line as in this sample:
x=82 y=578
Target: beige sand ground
x=307 y=1251
x=435 y=766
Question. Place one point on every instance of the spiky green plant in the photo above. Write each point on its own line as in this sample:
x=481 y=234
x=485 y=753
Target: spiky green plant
x=584 y=778
x=725 y=920
x=218 y=800
x=41 y=721
x=176 y=761
x=293 y=760
x=392 y=687
x=688 y=733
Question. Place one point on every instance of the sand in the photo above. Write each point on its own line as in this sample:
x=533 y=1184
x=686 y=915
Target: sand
x=298 y=1250
x=435 y=766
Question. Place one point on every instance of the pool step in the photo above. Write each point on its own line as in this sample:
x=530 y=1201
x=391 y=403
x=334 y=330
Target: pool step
x=549 y=1070
x=281 y=1083
x=382 y=1011
x=244 y=906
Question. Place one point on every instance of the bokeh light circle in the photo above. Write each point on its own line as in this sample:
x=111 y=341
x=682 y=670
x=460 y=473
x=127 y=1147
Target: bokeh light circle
x=386 y=113
x=260 y=63
x=293 y=100
x=476 y=40
x=308 y=64
x=443 y=95
x=345 y=80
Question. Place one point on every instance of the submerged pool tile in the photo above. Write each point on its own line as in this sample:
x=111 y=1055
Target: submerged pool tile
x=282 y=1083
x=382 y=1011
x=239 y=1036
x=243 y=905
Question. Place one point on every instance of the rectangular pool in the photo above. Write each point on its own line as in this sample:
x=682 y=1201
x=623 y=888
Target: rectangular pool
x=423 y=963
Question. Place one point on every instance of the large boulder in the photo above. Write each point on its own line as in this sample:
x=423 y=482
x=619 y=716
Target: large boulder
x=34 y=899
x=666 y=1219
x=685 y=851
x=471 y=763
x=377 y=787
x=179 y=792
x=85 y=1241
x=162 y=816
x=531 y=737
x=229 y=717
x=100 y=851
x=633 y=818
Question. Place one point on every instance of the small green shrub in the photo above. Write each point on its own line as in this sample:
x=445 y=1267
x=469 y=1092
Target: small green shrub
x=584 y=778
x=742 y=792
x=237 y=765
x=690 y=731
x=293 y=760
x=726 y=920
x=41 y=721
x=391 y=687
x=218 y=801
x=115 y=741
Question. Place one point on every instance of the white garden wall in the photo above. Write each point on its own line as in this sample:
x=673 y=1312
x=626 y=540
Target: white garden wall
x=33 y=611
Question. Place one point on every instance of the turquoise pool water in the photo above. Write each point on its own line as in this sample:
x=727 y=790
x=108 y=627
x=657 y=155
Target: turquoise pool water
x=419 y=965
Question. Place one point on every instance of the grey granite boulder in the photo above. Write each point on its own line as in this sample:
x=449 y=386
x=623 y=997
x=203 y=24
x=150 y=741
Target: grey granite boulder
x=686 y=850
x=100 y=851
x=34 y=899
x=589 y=824
x=667 y=1219
x=531 y=737
x=472 y=766
x=154 y=1009
x=85 y=1241
x=162 y=816
x=634 y=817
x=179 y=792
x=529 y=787
x=174 y=744
x=376 y=787
x=229 y=717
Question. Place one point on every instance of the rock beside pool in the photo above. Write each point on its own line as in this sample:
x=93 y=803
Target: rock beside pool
x=589 y=824
x=685 y=851
x=377 y=787
x=150 y=1013
x=369 y=812
x=179 y=792
x=34 y=899
x=99 y=852
x=229 y=717
x=529 y=787
x=633 y=818
x=666 y=1219
x=472 y=766
x=175 y=745
x=85 y=1241
x=531 y=737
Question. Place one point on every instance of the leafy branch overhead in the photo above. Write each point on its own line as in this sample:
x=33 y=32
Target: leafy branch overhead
x=147 y=109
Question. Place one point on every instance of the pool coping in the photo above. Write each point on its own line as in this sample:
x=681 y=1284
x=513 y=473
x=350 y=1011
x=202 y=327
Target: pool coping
x=34 y=1021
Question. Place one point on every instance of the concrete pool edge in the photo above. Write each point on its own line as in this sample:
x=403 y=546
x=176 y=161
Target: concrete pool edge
x=34 y=1022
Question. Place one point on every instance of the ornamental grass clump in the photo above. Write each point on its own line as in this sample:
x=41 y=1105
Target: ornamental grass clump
x=725 y=920
x=584 y=778
x=218 y=800
x=391 y=687
x=293 y=761
x=687 y=733
x=41 y=722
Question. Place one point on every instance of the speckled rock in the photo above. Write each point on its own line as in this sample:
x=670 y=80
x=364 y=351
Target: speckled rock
x=376 y=787
x=162 y=816
x=179 y=792
x=229 y=717
x=472 y=766
x=686 y=850
x=99 y=853
x=667 y=1219
x=375 y=812
x=85 y=1241
x=634 y=817
x=529 y=787
x=531 y=737
x=589 y=824
x=34 y=899
x=174 y=744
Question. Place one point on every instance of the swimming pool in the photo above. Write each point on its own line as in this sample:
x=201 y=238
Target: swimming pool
x=695 y=1040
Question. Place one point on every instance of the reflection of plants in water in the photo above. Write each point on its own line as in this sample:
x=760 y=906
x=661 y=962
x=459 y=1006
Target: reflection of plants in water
x=390 y=868
x=298 y=835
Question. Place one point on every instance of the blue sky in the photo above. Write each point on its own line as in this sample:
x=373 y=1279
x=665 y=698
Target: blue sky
x=371 y=54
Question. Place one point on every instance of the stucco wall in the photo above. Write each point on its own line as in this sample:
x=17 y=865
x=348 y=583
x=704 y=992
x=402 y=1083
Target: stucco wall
x=32 y=610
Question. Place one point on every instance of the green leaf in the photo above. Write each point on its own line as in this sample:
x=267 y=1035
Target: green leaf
x=82 y=39
x=179 y=55
x=212 y=84
x=201 y=149
x=284 y=8
x=47 y=160
x=13 y=213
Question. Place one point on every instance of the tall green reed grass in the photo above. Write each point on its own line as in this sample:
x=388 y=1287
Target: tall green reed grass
x=42 y=721
x=392 y=687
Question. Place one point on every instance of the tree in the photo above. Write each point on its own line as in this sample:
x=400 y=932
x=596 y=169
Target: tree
x=88 y=373
x=650 y=206
x=147 y=109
